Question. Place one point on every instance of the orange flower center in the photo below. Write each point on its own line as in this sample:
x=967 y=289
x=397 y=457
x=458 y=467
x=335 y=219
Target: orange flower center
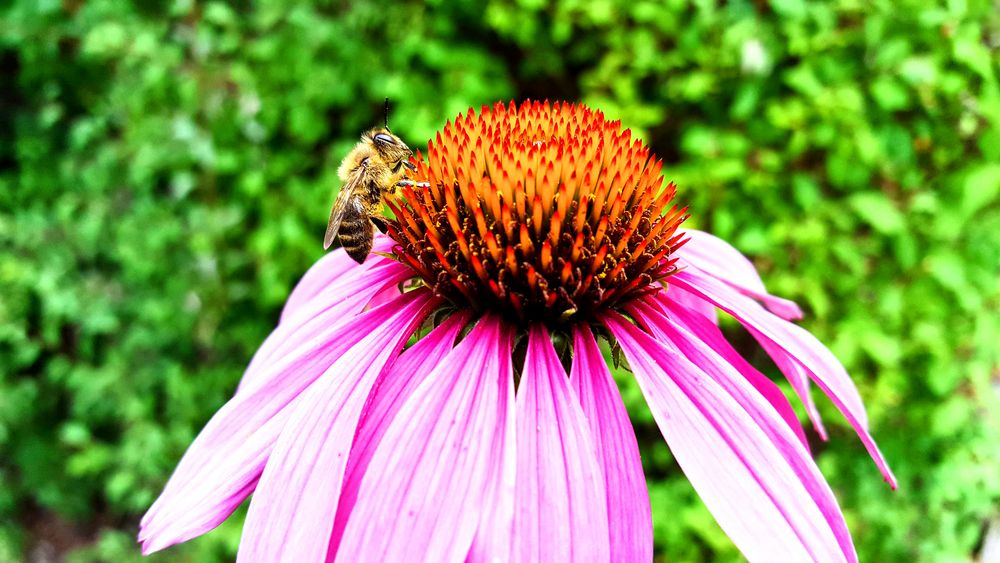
x=544 y=213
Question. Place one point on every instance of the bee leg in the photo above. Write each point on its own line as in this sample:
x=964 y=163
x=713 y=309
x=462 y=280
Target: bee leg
x=381 y=223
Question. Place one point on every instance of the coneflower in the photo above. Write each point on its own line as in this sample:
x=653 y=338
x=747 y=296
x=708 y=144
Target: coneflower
x=448 y=399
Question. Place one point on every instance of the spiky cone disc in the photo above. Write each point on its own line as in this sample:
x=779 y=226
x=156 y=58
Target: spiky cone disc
x=543 y=212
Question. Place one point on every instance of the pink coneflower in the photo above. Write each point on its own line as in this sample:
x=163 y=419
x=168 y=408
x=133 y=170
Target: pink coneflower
x=448 y=400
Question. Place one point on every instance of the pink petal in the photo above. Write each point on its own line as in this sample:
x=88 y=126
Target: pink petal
x=292 y=511
x=223 y=464
x=705 y=354
x=390 y=393
x=781 y=335
x=675 y=296
x=631 y=533
x=688 y=301
x=741 y=471
x=440 y=459
x=327 y=269
x=710 y=334
x=798 y=376
x=560 y=504
x=720 y=260
x=496 y=527
x=384 y=296
x=346 y=296
x=823 y=367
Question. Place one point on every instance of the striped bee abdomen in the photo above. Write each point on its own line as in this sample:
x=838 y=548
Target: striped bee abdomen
x=355 y=235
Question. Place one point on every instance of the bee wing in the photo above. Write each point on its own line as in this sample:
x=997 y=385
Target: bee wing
x=342 y=204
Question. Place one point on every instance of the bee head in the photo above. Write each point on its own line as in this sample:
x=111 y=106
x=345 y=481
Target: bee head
x=390 y=148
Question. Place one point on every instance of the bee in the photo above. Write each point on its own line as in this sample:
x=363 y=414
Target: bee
x=374 y=168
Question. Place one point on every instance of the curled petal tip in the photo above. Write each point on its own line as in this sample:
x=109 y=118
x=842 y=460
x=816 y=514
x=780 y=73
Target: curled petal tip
x=148 y=547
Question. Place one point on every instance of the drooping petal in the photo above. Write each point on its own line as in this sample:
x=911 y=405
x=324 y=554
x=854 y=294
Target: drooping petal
x=629 y=518
x=346 y=296
x=390 y=393
x=798 y=343
x=223 y=464
x=707 y=332
x=720 y=260
x=327 y=269
x=707 y=356
x=799 y=379
x=740 y=473
x=291 y=515
x=560 y=503
x=439 y=462
x=798 y=376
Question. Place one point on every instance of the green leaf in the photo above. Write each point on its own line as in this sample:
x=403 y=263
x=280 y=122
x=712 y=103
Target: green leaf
x=889 y=94
x=878 y=211
x=981 y=187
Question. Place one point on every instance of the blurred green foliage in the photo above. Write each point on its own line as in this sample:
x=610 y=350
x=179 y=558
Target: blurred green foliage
x=166 y=169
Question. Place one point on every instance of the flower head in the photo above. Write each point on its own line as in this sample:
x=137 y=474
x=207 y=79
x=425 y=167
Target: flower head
x=548 y=213
x=498 y=434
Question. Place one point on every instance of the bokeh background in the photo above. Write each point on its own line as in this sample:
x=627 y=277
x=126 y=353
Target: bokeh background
x=166 y=171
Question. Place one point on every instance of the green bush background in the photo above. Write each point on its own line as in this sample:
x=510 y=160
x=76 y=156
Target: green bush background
x=166 y=170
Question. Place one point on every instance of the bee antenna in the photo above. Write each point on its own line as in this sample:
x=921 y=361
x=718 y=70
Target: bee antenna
x=387 y=113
